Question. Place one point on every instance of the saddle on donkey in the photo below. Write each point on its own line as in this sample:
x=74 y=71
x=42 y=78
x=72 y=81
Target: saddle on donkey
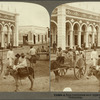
x=23 y=72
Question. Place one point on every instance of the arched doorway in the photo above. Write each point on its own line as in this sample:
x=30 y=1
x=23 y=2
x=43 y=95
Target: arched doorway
x=12 y=36
x=5 y=30
x=75 y=35
x=90 y=35
x=83 y=29
x=68 y=29
x=53 y=36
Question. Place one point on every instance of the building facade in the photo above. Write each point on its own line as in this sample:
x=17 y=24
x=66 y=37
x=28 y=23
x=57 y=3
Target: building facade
x=72 y=26
x=8 y=29
x=33 y=35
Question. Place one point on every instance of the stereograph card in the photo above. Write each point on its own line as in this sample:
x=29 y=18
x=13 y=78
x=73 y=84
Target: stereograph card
x=50 y=49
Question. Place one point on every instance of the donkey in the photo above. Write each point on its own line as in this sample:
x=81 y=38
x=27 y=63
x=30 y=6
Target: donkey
x=96 y=73
x=21 y=73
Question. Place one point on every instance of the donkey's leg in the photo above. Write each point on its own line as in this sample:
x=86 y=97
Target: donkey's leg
x=16 y=80
x=32 y=80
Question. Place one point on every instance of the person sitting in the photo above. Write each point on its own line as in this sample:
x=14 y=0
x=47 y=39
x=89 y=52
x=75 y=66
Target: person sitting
x=22 y=63
x=82 y=54
x=60 y=58
x=17 y=59
x=42 y=49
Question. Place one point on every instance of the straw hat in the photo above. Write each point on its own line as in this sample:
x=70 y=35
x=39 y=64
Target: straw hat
x=17 y=55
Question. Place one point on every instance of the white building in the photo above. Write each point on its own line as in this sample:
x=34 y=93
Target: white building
x=8 y=28
x=72 y=26
x=33 y=35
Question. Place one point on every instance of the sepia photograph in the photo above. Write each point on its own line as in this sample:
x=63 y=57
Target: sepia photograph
x=24 y=47
x=75 y=47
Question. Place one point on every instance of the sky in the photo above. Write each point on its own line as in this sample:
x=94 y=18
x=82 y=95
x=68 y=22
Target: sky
x=91 y=6
x=29 y=13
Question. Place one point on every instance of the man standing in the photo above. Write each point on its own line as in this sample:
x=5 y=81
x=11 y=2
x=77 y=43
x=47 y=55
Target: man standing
x=54 y=47
x=94 y=57
x=32 y=53
x=10 y=57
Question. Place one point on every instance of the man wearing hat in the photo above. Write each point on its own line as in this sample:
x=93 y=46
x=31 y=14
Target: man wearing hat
x=16 y=61
x=32 y=53
x=22 y=63
x=59 y=55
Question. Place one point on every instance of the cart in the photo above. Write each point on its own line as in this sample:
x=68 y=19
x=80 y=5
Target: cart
x=78 y=65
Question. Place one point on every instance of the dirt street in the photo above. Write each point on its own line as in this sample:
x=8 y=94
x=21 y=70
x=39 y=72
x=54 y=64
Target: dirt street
x=69 y=80
x=41 y=81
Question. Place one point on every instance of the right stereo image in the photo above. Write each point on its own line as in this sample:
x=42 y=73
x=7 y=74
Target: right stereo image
x=75 y=47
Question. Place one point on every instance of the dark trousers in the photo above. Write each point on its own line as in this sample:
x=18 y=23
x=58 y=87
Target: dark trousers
x=54 y=50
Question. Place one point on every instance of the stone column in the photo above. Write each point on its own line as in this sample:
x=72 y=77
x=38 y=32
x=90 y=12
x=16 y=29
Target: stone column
x=71 y=38
x=93 y=36
x=86 y=39
x=9 y=32
x=79 y=38
x=61 y=18
x=67 y=38
x=16 y=42
x=98 y=37
x=2 y=39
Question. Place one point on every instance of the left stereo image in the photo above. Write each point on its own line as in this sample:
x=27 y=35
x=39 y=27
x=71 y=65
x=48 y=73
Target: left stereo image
x=24 y=47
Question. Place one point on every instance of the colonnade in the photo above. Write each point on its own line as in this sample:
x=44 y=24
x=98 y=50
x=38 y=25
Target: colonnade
x=71 y=31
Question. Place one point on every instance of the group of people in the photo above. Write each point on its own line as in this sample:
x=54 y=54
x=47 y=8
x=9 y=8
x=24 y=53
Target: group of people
x=71 y=53
x=43 y=49
x=20 y=60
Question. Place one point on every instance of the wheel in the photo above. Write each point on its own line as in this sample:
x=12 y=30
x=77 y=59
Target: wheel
x=80 y=68
x=1 y=66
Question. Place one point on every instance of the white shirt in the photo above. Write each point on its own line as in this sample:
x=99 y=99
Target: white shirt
x=32 y=51
x=22 y=62
x=94 y=55
x=10 y=54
